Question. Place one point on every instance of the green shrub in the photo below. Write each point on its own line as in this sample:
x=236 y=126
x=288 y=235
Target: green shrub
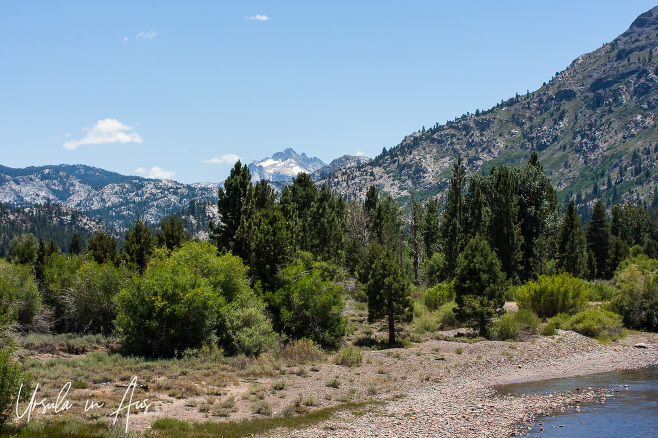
x=596 y=323
x=20 y=300
x=437 y=296
x=446 y=316
x=560 y=321
x=308 y=305
x=507 y=327
x=599 y=291
x=511 y=324
x=349 y=356
x=167 y=310
x=301 y=351
x=550 y=295
x=435 y=268
x=637 y=297
x=89 y=305
x=11 y=377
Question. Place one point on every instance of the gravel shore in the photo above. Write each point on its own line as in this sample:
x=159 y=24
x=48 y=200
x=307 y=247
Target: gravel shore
x=446 y=388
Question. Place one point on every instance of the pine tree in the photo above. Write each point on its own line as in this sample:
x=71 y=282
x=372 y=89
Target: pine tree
x=452 y=223
x=234 y=205
x=479 y=285
x=172 y=233
x=504 y=228
x=538 y=216
x=416 y=226
x=598 y=237
x=327 y=220
x=103 y=248
x=138 y=245
x=389 y=293
x=572 y=247
x=76 y=245
x=431 y=236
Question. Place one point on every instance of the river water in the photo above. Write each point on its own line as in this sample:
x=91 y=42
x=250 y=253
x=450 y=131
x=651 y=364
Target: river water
x=632 y=411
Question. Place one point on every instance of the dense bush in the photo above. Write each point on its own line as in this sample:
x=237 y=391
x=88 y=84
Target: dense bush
x=511 y=324
x=89 y=305
x=167 y=310
x=308 y=304
x=438 y=295
x=554 y=294
x=596 y=323
x=637 y=296
x=193 y=298
x=20 y=301
x=435 y=268
x=11 y=377
x=599 y=291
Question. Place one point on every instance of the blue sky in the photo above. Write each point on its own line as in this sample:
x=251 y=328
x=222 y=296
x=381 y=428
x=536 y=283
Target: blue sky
x=180 y=89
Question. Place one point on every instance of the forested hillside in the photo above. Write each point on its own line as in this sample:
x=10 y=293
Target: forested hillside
x=593 y=126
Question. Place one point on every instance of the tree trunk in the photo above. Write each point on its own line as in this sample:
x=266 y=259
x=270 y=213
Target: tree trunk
x=391 y=329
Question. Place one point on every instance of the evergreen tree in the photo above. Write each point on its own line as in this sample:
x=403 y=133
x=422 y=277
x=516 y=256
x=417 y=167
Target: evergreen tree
x=103 y=248
x=327 y=220
x=479 y=286
x=370 y=204
x=40 y=261
x=389 y=293
x=234 y=205
x=431 y=236
x=76 y=245
x=452 y=223
x=138 y=245
x=572 y=248
x=538 y=216
x=387 y=224
x=416 y=247
x=272 y=247
x=172 y=233
x=505 y=230
x=598 y=237
x=619 y=250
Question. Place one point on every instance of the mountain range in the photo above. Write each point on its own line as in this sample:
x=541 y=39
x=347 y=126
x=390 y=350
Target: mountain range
x=593 y=126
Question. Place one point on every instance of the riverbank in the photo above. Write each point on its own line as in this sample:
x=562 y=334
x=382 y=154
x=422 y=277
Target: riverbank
x=446 y=388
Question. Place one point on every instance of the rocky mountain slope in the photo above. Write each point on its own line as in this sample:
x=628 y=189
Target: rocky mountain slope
x=593 y=126
x=283 y=166
x=100 y=194
x=341 y=163
x=50 y=221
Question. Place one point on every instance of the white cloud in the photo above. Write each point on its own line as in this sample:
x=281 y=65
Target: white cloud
x=106 y=131
x=258 y=17
x=155 y=172
x=148 y=35
x=228 y=158
x=125 y=39
x=360 y=154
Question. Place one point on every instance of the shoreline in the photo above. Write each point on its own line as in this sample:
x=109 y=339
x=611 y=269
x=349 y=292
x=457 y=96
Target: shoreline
x=464 y=401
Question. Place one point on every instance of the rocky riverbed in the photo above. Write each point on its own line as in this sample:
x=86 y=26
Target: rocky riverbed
x=445 y=388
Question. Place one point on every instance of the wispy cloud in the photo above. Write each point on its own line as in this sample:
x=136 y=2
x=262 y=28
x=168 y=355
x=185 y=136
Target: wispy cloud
x=106 y=131
x=155 y=172
x=228 y=158
x=360 y=154
x=147 y=35
x=258 y=17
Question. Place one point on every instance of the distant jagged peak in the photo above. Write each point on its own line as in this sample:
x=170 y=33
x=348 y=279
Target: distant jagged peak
x=283 y=166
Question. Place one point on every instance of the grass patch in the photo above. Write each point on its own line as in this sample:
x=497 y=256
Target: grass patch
x=234 y=429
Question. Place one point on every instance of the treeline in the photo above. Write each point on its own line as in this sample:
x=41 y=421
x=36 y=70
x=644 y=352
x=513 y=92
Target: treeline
x=49 y=221
x=276 y=265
